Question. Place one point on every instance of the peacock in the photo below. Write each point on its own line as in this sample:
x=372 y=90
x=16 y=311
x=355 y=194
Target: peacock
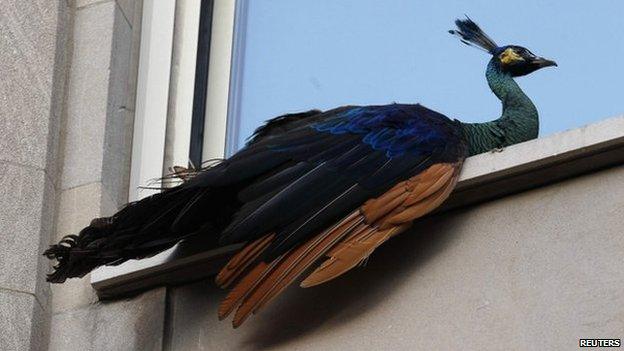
x=328 y=186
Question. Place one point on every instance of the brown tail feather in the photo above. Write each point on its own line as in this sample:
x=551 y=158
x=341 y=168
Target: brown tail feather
x=424 y=205
x=288 y=267
x=433 y=186
x=440 y=181
x=304 y=263
x=350 y=255
x=239 y=263
x=247 y=284
x=355 y=235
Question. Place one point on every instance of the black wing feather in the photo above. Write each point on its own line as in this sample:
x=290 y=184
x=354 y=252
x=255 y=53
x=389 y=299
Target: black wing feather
x=352 y=164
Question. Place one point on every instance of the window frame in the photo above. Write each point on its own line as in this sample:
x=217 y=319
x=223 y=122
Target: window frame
x=184 y=100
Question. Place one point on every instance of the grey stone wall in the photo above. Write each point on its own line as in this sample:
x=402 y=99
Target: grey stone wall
x=96 y=137
x=67 y=94
x=34 y=42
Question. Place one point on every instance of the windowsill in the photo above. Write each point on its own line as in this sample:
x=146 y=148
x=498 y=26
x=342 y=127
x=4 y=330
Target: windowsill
x=485 y=177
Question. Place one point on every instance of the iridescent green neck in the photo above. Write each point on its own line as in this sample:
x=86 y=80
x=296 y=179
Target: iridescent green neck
x=518 y=122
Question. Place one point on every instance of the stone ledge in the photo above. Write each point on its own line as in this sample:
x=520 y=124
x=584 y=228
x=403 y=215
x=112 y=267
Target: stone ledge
x=485 y=177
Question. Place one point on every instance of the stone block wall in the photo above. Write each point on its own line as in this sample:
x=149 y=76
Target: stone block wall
x=95 y=142
x=34 y=41
x=67 y=89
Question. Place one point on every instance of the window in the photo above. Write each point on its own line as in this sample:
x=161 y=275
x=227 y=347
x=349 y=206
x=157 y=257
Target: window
x=186 y=86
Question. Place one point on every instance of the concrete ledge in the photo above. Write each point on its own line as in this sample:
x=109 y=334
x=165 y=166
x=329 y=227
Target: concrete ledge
x=485 y=177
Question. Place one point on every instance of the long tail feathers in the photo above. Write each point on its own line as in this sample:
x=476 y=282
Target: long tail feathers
x=139 y=230
x=72 y=260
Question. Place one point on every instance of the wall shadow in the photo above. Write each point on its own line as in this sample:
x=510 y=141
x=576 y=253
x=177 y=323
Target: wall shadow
x=299 y=312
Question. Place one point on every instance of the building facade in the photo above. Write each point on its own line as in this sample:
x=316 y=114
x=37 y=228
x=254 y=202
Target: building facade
x=527 y=254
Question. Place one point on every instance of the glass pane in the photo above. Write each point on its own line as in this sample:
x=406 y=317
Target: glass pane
x=301 y=54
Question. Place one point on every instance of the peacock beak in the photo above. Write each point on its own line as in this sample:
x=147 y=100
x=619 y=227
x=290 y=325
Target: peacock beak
x=541 y=62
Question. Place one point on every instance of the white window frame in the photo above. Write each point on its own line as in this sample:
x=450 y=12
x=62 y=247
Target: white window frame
x=165 y=90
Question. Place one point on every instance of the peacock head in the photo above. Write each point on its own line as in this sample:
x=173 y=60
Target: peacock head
x=512 y=59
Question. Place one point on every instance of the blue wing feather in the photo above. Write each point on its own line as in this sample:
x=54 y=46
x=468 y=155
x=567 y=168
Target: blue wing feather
x=396 y=129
